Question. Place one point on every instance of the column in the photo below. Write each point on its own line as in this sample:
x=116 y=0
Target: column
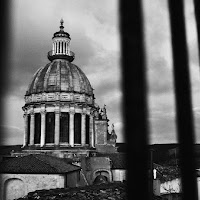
x=25 y=130
x=91 y=131
x=71 y=129
x=53 y=49
x=43 y=128
x=57 y=127
x=83 y=130
x=67 y=49
x=32 y=128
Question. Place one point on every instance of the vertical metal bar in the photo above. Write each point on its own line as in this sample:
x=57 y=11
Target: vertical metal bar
x=197 y=16
x=134 y=97
x=5 y=15
x=184 y=115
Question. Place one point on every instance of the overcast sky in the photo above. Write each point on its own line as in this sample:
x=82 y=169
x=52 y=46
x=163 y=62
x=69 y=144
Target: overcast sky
x=94 y=29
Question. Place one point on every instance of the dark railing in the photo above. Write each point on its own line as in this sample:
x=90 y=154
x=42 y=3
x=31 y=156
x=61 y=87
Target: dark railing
x=70 y=57
x=134 y=93
x=135 y=102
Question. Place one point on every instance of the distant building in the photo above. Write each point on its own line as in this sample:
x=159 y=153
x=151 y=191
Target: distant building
x=62 y=120
x=35 y=172
x=60 y=113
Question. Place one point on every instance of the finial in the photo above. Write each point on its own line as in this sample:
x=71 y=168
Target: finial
x=113 y=126
x=61 y=21
x=61 y=24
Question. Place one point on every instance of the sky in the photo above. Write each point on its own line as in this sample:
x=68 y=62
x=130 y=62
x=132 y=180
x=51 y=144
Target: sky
x=93 y=26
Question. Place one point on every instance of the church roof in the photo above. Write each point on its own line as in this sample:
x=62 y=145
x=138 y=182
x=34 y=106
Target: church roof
x=59 y=76
x=37 y=164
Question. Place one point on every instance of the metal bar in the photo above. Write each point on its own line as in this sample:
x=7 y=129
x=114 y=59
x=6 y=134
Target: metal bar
x=197 y=16
x=134 y=97
x=184 y=117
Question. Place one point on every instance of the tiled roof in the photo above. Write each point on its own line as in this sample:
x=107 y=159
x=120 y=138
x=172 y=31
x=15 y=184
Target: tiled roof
x=37 y=164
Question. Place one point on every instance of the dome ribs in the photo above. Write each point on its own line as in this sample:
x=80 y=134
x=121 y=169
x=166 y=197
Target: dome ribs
x=75 y=77
x=30 y=86
x=81 y=80
x=71 y=88
x=47 y=77
x=59 y=76
x=51 y=82
x=86 y=83
x=64 y=78
x=35 y=85
x=40 y=83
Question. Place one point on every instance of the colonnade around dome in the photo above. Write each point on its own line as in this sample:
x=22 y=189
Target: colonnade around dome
x=60 y=108
x=59 y=125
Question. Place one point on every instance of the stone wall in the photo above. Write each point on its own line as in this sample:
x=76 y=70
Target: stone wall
x=17 y=185
x=101 y=128
x=94 y=166
x=73 y=179
x=119 y=174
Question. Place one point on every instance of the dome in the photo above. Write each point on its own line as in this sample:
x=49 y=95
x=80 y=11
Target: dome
x=60 y=108
x=59 y=76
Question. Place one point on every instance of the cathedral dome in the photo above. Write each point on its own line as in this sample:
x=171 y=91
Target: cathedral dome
x=60 y=76
x=60 y=80
x=59 y=102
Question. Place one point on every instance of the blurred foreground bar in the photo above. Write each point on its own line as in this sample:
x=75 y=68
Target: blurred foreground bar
x=184 y=115
x=134 y=98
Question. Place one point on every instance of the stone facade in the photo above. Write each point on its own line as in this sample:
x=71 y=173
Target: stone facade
x=17 y=185
x=62 y=119
x=60 y=108
x=95 y=166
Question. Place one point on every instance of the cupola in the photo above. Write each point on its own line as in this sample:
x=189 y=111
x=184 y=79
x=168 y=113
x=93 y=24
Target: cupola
x=61 y=45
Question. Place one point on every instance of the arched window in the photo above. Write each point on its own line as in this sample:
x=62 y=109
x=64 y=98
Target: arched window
x=37 y=128
x=77 y=128
x=28 y=138
x=64 y=127
x=14 y=188
x=87 y=127
x=50 y=127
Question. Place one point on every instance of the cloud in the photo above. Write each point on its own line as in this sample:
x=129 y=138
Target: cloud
x=160 y=77
x=93 y=27
x=162 y=129
x=10 y=135
x=12 y=111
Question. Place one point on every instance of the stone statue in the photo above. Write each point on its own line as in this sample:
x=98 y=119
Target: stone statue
x=103 y=112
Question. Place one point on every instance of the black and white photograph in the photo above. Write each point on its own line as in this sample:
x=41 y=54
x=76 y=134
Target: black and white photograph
x=100 y=100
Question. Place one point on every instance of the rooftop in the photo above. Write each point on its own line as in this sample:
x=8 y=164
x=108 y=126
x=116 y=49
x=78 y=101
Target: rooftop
x=37 y=164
